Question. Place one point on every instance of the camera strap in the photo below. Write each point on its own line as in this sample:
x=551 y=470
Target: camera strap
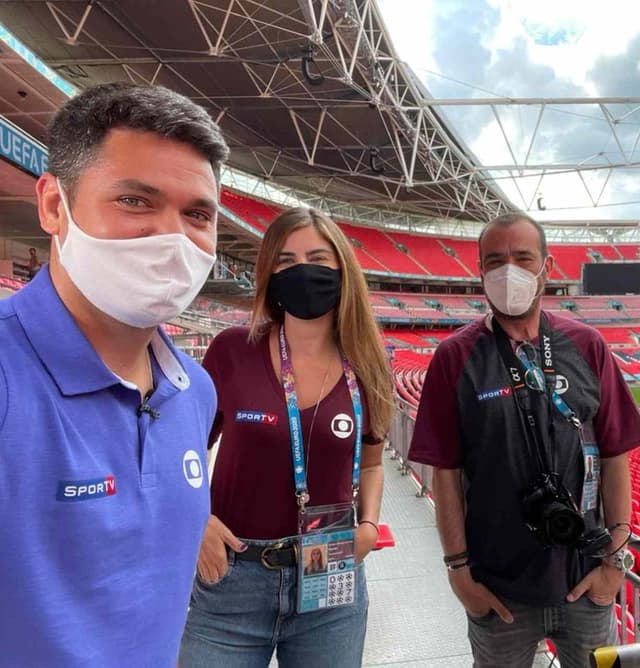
x=534 y=437
x=526 y=399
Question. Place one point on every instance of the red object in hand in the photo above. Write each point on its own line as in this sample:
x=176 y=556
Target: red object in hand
x=385 y=537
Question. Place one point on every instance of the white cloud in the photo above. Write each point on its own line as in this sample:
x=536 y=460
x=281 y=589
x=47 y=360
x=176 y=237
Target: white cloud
x=414 y=22
x=594 y=29
x=542 y=49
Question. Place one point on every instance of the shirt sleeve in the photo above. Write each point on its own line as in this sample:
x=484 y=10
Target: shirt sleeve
x=436 y=440
x=211 y=366
x=617 y=422
x=367 y=437
x=4 y=397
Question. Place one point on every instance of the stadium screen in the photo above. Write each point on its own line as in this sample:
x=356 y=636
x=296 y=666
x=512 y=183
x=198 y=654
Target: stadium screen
x=611 y=278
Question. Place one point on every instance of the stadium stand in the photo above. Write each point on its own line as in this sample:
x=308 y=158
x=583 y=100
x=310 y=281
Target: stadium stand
x=603 y=253
x=629 y=251
x=466 y=253
x=430 y=254
x=432 y=257
x=10 y=284
x=253 y=211
x=618 y=336
x=377 y=252
x=173 y=330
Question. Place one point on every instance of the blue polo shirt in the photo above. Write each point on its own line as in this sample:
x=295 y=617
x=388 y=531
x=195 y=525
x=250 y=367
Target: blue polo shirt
x=102 y=506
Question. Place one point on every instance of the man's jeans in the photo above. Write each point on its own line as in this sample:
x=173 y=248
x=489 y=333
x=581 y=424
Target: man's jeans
x=240 y=620
x=574 y=628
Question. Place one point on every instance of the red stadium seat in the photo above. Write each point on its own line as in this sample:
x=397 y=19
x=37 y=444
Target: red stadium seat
x=255 y=212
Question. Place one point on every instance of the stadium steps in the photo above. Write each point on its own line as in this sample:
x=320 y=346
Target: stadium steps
x=409 y=255
x=456 y=258
x=375 y=260
x=618 y=252
x=560 y=270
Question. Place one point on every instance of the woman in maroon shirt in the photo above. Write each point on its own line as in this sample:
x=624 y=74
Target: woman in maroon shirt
x=312 y=333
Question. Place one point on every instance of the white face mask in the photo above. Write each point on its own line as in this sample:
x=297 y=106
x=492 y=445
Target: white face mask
x=141 y=282
x=511 y=289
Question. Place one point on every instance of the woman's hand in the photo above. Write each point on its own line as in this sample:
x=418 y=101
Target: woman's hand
x=366 y=539
x=212 y=560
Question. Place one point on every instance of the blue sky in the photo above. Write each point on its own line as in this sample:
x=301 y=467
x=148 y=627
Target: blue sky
x=542 y=49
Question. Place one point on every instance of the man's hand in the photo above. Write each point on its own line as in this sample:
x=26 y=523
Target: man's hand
x=212 y=560
x=366 y=539
x=475 y=597
x=601 y=585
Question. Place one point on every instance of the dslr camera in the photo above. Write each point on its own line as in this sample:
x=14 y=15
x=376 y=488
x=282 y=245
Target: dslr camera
x=553 y=516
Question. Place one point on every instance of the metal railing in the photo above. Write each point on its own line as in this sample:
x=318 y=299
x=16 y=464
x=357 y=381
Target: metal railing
x=630 y=609
x=400 y=434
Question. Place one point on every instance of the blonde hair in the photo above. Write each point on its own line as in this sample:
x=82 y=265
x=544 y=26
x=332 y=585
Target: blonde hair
x=355 y=328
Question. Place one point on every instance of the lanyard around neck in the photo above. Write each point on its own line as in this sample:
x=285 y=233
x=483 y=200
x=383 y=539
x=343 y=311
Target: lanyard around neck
x=519 y=365
x=295 y=423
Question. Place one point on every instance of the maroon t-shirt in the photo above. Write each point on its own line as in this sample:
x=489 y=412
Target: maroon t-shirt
x=468 y=418
x=253 y=491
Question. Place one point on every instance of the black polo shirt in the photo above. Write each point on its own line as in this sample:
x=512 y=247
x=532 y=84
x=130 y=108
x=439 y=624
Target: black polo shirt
x=469 y=418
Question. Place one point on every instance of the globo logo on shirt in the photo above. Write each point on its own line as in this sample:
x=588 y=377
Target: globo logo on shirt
x=562 y=384
x=342 y=425
x=192 y=469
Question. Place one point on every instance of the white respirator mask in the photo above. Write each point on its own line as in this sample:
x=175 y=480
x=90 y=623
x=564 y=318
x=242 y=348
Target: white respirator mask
x=511 y=289
x=141 y=282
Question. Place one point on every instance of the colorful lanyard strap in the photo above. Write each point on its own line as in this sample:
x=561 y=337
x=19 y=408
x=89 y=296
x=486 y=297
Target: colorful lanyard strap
x=528 y=365
x=295 y=424
x=560 y=404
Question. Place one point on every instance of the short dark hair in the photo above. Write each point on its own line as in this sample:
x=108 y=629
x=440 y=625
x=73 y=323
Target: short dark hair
x=80 y=126
x=508 y=219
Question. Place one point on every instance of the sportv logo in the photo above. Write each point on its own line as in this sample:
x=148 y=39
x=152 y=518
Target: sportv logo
x=83 y=490
x=258 y=417
x=495 y=394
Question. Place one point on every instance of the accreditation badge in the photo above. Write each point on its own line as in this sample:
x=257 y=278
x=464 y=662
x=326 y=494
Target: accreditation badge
x=327 y=574
x=591 y=482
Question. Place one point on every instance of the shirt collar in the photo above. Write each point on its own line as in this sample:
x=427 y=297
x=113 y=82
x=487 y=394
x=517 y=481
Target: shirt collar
x=166 y=356
x=66 y=352
x=488 y=324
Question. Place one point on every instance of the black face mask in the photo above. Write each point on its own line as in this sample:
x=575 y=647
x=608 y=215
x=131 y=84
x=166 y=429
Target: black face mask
x=306 y=291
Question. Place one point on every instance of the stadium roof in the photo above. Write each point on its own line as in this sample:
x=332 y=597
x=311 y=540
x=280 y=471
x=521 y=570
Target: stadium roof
x=311 y=95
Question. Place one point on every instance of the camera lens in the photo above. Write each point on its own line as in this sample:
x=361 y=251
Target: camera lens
x=564 y=525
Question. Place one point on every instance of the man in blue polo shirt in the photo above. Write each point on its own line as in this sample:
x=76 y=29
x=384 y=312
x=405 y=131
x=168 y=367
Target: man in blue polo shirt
x=103 y=423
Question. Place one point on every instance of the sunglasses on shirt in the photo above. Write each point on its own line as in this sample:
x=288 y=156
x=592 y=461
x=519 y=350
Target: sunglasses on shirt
x=533 y=376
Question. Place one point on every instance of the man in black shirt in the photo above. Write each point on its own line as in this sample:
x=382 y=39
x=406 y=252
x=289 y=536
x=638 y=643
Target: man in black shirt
x=515 y=404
